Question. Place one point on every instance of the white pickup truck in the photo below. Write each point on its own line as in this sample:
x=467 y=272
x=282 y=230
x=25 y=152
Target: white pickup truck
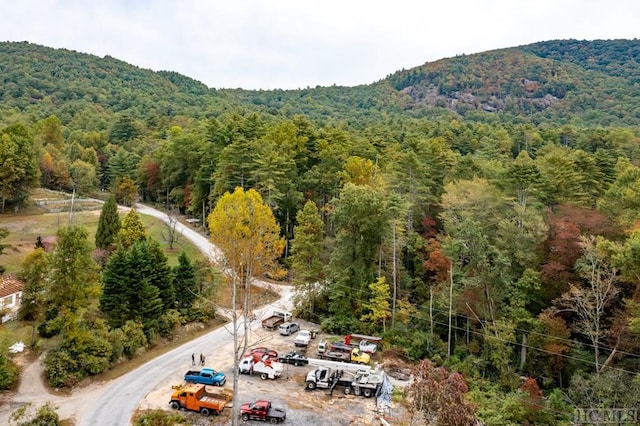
x=303 y=338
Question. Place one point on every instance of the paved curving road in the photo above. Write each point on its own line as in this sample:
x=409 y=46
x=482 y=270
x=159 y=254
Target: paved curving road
x=114 y=402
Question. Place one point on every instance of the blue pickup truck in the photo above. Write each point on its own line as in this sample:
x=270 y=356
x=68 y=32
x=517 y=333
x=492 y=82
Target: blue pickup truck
x=206 y=376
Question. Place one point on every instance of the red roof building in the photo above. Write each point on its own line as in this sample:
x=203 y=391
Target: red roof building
x=10 y=296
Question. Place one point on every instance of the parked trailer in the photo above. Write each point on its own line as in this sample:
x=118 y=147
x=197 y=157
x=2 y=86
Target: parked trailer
x=277 y=317
x=338 y=351
x=368 y=344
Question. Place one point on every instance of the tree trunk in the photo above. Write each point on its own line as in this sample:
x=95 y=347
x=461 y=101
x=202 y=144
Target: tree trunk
x=431 y=310
x=450 y=308
x=395 y=280
x=523 y=352
x=236 y=356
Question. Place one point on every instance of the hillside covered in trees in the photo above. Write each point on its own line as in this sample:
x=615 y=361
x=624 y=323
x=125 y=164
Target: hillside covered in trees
x=480 y=211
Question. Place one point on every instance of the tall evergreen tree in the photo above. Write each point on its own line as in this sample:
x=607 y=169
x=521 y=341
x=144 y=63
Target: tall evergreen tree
x=108 y=224
x=136 y=285
x=306 y=257
x=157 y=271
x=115 y=279
x=73 y=274
x=184 y=282
x=361 y=219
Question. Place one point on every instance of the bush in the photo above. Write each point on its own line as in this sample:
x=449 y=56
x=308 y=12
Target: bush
x=61 y=369
x=90 y=347
x=159 y=418
x=203 y=313
x=117 y=339
x=338 y=325
x=44 y=416
x=134 y=337
x=168 y=323
x=9 y=373
x=50 y=328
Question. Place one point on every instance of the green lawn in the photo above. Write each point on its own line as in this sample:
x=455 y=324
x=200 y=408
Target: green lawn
x=25 y=227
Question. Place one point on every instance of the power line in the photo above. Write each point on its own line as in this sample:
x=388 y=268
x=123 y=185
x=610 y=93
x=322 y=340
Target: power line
x=422 y=317
x=537 y=349
x=562 y=339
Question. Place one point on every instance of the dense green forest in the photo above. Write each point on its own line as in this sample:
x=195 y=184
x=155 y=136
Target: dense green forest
x=480 y=211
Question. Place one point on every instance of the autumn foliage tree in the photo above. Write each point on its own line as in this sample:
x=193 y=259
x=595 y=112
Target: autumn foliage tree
x=244 y=228
x=131 y=229
x=125 y=190
x=378 y=309
x=438 y=396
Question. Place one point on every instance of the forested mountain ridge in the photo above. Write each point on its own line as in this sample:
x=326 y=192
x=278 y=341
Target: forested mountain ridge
x=481 y=212
x=563 y=81
x=591 y=83
x=41 y=81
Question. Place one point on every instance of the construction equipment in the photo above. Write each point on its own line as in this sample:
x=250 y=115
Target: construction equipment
x=337 y=365
x=330 y=374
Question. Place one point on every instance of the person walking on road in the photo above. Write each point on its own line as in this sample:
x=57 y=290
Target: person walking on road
x=193 y=359
x=201 y=359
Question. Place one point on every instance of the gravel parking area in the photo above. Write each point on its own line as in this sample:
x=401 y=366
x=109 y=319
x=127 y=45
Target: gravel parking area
x=303 y=407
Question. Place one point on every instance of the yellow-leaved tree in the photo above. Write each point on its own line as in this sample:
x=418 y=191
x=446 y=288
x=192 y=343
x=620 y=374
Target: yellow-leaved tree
x=131 y=229
x=378 y=306
x=245 y=230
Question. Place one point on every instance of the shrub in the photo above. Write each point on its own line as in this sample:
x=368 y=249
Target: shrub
x=61 y=369
x=9 y=372
x=159 y=418
x=134 y=337
x=46 y=415
x=168 y=323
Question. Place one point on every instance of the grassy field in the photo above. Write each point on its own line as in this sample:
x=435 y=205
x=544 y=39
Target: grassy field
x=25 y=227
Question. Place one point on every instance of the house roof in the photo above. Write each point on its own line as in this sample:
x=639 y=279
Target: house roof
x=10 y=284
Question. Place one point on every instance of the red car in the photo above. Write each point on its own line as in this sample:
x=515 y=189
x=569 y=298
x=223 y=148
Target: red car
x=261 y=352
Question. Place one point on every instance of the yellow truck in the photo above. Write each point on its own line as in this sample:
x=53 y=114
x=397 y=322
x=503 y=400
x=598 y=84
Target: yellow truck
x=195 y=397
x=338 y=351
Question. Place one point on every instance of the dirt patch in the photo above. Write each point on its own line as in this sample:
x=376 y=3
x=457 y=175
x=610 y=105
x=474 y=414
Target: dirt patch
x=303 y=407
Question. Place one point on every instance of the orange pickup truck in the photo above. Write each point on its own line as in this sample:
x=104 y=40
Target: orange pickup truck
x=195 y=397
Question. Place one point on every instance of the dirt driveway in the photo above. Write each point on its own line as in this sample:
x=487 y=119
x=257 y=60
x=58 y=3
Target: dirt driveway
x=303 y=407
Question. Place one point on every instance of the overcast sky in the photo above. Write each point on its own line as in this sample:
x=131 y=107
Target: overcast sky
x=292 y=44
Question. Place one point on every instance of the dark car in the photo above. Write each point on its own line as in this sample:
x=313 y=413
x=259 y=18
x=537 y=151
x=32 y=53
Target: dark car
x=294 y=358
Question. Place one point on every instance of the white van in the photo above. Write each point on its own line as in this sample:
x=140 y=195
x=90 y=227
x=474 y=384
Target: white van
x=288 y=328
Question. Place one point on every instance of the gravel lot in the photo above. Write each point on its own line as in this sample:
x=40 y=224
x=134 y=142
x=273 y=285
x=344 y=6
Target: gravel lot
x=303 y=407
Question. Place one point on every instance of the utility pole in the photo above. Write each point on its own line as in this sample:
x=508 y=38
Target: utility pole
x=73 y=196
x=450 y=308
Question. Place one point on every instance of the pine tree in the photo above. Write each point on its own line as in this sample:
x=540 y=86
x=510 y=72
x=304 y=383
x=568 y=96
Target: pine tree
x=306 y=248
x=158 y=272
x=115 y=279
x=184 y=282
x=108 y=224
